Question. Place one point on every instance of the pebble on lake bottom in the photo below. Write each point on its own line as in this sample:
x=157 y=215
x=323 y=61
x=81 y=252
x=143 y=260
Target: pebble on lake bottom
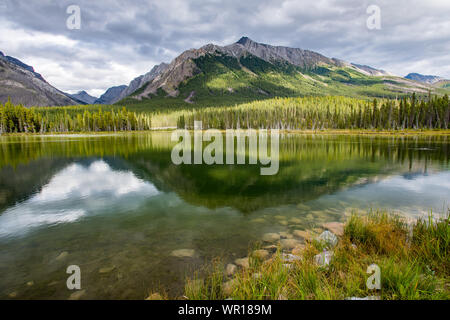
x=154 y=296
x=77 y=295
x=183 y=253
x=106 y=270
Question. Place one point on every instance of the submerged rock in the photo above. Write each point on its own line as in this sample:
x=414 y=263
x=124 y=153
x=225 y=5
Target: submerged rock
x=154 y=296
x=323 y=259
x=289 y=243
x=328 y=238
x=302 y=234
x=295 y=220
x=336 y=227
x=286 y=235
x=183 y=253
x=271 y=237
x=106 y=270
x=261 y=254
x=77 y=295
x=62 y=256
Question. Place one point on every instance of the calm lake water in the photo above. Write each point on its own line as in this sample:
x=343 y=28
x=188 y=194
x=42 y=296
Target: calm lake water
x=117 y=207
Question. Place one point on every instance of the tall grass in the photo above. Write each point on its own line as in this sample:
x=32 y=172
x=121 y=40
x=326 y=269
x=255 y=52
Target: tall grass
x=413 y=266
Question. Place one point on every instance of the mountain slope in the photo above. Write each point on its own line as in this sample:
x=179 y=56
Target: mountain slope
x=246 y=71
x=20 y=83
x=111 y=95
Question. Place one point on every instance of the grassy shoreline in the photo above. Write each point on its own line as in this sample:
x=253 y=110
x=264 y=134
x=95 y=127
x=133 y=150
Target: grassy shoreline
x=413 y=258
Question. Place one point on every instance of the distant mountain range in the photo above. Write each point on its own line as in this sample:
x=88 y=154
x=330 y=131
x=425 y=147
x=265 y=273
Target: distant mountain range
x=424 y=78
x=83 y=97
x=215 y=75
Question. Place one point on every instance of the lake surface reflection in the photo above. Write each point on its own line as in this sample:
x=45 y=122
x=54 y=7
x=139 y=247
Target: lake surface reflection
x=117 y=207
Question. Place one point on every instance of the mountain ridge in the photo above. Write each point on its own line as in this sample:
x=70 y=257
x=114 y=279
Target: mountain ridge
x=22 y=85
x=257 y=70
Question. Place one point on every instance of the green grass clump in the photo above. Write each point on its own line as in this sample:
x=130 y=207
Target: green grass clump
x=413 y=261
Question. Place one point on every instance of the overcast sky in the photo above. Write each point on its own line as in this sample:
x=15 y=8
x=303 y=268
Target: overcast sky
x=120 y=39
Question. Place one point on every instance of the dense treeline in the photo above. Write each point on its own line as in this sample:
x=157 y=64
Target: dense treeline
x=16 y=118
x=317 y=113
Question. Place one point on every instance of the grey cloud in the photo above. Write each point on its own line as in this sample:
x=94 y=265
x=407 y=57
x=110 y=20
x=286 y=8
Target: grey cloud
x=138 y=34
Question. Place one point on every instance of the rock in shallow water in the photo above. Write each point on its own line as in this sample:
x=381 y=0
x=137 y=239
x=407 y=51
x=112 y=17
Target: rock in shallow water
x=106 y=270
x=289 y=243
x=244 y=262
x=154 y=296
x=336 y=227
x=183 y=253
x=62 y=256
x=261 y=254
x=77 y=295
x=302 y=234
x=271 y=237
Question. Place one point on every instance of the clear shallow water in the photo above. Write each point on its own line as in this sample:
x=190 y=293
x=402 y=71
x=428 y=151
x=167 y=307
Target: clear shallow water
x=117 y=202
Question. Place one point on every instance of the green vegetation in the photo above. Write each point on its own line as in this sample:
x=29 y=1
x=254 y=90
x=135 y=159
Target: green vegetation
x=413 y=260
x=316 y=113
x=68 y=119
x=222 y=81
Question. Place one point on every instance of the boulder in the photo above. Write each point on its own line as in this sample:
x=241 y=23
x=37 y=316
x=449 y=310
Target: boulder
x=328 y=238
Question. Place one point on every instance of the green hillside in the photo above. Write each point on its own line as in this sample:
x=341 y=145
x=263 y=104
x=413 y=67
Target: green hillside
x=223 y=80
